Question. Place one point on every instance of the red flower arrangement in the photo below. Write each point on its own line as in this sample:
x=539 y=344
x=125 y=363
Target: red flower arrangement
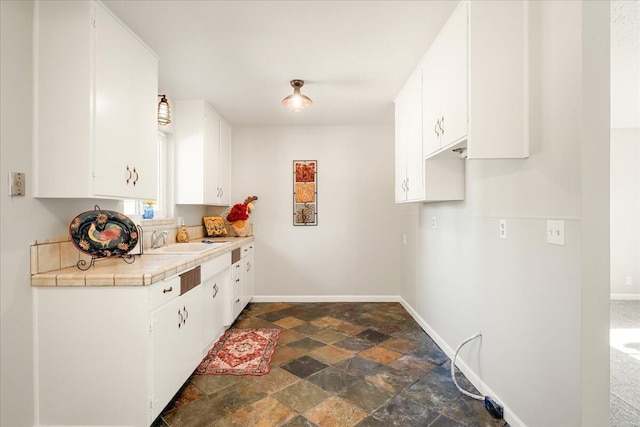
x=238 y=213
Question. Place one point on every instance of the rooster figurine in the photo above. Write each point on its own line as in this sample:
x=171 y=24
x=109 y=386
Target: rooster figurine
x=111 y=232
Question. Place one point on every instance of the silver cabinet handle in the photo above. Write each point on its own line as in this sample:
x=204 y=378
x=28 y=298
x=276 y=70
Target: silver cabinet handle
x=215 y=290
x=407 y=185
x=185 y=312
x=248 y=266
x=221 y=191
x=181 y=321
x=436 y=126
x=441 y=123
x=129 y=176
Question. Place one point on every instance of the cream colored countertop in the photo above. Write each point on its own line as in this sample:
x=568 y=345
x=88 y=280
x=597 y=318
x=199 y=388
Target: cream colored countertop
x=145 y=270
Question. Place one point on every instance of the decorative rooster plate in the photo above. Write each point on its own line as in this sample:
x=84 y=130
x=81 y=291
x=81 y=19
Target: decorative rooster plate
x=101 y=233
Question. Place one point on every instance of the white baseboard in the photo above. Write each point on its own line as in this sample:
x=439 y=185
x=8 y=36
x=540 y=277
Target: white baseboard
x=633 y=297
x=325 y=298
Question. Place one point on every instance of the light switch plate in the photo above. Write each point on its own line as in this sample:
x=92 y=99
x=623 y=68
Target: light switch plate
x=502 y=232
x=555 y=232
x=16 y=184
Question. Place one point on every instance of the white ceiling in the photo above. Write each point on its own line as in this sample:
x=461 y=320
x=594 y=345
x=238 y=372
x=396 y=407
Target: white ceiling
x=240 y=55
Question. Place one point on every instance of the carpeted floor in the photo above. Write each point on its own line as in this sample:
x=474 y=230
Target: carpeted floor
x=625 y=364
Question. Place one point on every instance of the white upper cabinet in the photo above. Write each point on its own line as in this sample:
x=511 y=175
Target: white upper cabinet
x=409 y=168
x=203 y=155
x=445 y=86
x=96 y=87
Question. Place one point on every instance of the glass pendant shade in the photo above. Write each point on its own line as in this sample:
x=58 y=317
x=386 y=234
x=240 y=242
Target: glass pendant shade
x=297 y=101
x=164 y=111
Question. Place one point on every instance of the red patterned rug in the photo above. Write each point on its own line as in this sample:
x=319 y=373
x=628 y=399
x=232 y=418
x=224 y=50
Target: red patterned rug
x=241 y=352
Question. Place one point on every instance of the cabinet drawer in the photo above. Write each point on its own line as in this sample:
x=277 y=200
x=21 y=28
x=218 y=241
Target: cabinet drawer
x=215 y=266
x=247 y=249
x=165 y=291
x=236 y=286
x=236 y=307
x=235 y=269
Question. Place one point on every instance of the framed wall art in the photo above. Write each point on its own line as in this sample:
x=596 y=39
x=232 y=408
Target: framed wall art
x=305 y=192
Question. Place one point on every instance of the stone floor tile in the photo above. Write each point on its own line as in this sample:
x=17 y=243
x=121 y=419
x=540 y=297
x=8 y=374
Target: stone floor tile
x=235 y=397
x=433 y=390
x=289 y=322
x=327 y=322
x=372 y=422
x=401 y=411
x=272 y=316
x=275 y=380
x=366 y=395
x=332 y=379
x=390 y=379
x=349 y=328
x=412 y=365
x=400 y=345
x=301 y=396
x=431 y=353
x=471 y=412
x=306 y=345
x=331 y=354
x=187 y=394
x=353 y=344
x=287 y=336
x=358 y=366
x=445 y=369
x=335 y=412
x=227 y=421
x=307 y=328
x=444 y=421
x=267 y=412
x=211 y=384
x=328 y=336
x=299 y=421
x=304 y=366
x=201 y=413
x=380 y=354
x=374 y=337
x=284 y=354
x=253 y=322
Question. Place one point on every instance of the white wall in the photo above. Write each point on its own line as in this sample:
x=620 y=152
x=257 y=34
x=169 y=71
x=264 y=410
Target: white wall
x=625 y=211
x=24 y=219
x=355 y=249
x=527 y=297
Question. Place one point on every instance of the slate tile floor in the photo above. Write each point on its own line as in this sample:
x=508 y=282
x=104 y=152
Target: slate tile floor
x=336 y=364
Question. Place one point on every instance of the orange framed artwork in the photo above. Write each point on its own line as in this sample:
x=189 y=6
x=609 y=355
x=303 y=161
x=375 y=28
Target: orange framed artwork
x=305 y=192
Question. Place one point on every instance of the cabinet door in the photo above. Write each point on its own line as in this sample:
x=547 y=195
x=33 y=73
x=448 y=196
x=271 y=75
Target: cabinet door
x=211 y=156
x=400 y=147
x=213 y=308
x=431 y=86
x=247 y=276
x=414 y=184
x=453 y=62
x=124 y=122
x=224 y=178
x=169 y=353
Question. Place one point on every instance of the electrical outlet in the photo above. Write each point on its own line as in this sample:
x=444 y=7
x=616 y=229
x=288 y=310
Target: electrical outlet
x=502 y=232
x=433 y=222
x=16 y=184
x=628 y=281
x=555 y=232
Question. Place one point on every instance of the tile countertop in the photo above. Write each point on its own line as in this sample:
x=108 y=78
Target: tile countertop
x=145 y=270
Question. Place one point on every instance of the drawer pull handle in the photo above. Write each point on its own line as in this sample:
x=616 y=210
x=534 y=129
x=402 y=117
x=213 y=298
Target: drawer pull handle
x=135 y=181
x=248 y=266
x=164 y=291
x=238 y=300
x=237 y=280
x=186 y=313
x=215 y=290
x=129 y=176
x=181 y=321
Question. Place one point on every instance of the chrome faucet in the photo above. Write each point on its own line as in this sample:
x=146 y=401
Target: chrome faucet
x=155 y=237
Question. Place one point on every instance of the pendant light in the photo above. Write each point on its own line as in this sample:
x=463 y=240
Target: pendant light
x=297 y=101
x=164 y=111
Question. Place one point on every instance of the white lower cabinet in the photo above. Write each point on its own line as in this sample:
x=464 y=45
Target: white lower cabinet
x=116 y=355
x=176 y=330
x=246 y=294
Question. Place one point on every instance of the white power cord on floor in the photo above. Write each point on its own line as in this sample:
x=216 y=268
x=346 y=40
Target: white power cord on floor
x=494 y=408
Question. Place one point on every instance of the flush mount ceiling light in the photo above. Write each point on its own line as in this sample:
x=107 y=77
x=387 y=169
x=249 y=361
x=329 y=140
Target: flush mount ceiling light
x=164 y=111
x=297 y=101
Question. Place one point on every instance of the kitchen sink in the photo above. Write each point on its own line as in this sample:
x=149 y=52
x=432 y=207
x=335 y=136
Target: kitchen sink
x=185 y=248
